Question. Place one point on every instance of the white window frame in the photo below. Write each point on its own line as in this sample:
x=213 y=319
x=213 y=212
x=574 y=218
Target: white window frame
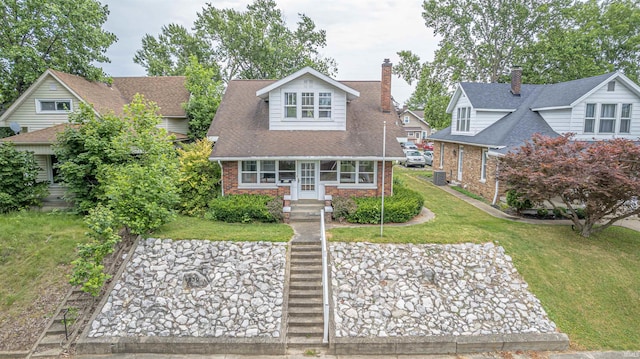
x=317 y=111
x=463 y=121
x=626 y=119
x=325 y=110
x=290 y=96
x=359 y=174
x=591 y=119
x=55 y=101
x=609 y=119
x=405 y=120
x=483 y=165
x=260 y=172
x=617 y=120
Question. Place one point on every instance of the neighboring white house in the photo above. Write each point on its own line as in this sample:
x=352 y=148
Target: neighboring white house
x=43 y=110
x=488 y=120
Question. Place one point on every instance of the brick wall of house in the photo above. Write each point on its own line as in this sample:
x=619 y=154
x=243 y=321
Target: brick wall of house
x=471 y=168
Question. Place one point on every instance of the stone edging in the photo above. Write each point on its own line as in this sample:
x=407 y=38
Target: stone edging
x=448 y=344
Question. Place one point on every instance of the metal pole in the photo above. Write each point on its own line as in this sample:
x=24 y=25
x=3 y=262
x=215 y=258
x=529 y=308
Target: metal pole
x=384 y=148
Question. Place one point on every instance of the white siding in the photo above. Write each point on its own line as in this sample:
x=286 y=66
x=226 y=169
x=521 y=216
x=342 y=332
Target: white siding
x=26 y=116
x=483 y=119
x=45 y=167
x=338 y=106
x=177 y=125
x=36 y=149
x=563 y=121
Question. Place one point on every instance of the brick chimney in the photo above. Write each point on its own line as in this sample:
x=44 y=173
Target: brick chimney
x=516 y=80
x=385 y=91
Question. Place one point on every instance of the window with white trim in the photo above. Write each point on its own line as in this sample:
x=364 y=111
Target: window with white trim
x=290 y=105
x=308 y=105
x=366 y=171
x=249 y=172
x=286 y=171
x=253 y=172
x=590 y=118
x=357 y=172
x=406 y=119
x=625 y=118
x=463 y=120
x=324 y=105
x=483 y=167
x=328 y=171
x=49 y=106
x=607 y=118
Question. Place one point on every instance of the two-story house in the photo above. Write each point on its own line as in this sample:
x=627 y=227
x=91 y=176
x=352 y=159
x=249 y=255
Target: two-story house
x=416 y=128
x=43 y=110
x=489 y=120
x=306 y=136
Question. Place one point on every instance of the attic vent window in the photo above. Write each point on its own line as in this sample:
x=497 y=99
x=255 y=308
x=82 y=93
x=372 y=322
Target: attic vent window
x=308 y=84
x=611 y=86
x=48 y=106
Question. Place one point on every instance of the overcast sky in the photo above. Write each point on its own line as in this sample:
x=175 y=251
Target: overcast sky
x=360 y=33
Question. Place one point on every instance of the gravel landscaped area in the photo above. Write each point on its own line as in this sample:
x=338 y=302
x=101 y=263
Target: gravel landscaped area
x=197 y=288
x=384 y=290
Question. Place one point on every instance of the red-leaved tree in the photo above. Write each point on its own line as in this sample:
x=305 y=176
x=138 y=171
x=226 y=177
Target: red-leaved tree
x=603 y=177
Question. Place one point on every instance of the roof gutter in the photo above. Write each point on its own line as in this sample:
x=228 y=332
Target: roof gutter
x=469 y=143
x=307 y=158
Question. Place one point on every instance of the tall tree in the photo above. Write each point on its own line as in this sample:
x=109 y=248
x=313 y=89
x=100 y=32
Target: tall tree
x=63 y=34
x=480 y=37
x=430 y=95
x=251 y=44
x=206 y=92
x=602 y=176
x=596 y=37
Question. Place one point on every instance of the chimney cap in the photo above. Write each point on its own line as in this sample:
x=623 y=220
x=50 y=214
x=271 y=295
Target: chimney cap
x=386 y=62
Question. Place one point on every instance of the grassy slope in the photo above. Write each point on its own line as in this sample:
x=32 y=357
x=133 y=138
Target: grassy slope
x=589 y=287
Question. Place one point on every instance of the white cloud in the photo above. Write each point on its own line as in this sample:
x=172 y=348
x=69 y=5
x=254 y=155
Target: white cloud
x=360 y=33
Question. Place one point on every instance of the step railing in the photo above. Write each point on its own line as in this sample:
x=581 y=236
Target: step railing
x=325 y=280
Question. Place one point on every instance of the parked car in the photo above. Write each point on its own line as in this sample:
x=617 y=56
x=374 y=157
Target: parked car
x=428 y=157
x=408 y=146
x=413 y=158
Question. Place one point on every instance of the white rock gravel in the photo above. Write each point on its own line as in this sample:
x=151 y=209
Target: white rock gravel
x=382 y=290
x=197 y=288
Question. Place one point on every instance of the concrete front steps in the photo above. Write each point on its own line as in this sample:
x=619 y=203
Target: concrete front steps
x=305 y=329
x=306 y=210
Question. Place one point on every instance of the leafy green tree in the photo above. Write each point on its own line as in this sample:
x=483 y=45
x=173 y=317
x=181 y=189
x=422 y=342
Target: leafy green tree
x=19 y=185
x=430 y=94
x=480 y=37
x=254 y=44
x=595 y=37
x=199 y=180
x=84 y=147
x=170 y=53
x=206 y=94
x=62 y=34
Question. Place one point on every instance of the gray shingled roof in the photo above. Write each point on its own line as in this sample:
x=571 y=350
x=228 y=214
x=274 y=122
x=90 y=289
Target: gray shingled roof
x=242 y=126
x=512 y=130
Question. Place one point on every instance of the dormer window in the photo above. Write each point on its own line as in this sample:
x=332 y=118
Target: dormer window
x=463 y=120
x=49 y=106
x=308 y=105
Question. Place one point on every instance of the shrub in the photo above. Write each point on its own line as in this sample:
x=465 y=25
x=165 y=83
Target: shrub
x=399 y=208
x=543 y=212
x=581 y=213
x=343 y=207
x=560 y=212
x=243 y=208
x=199 y=178
x=517 y=201
x=19 y=185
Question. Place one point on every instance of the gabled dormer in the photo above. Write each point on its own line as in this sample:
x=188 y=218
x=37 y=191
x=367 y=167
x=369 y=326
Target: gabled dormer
x=307 y=100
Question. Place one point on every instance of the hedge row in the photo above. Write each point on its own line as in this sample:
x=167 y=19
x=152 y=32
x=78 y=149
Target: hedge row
x=404 y=205
x=245 y=208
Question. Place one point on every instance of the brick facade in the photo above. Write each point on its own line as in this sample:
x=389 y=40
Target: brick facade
x=471 y=168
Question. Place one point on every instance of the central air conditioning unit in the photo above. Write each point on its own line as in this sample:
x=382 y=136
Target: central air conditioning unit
x=439 y=178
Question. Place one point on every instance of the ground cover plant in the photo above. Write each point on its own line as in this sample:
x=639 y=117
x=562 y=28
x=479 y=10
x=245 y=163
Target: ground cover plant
x=589 y=287
x=35 y=252
x=199 y=228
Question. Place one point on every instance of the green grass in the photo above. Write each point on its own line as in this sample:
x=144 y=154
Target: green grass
x=589 y=287
x=35 y=252
x=197 y=228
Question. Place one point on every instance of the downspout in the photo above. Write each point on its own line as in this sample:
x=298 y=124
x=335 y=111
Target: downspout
x=497 y=190
x=221 y=178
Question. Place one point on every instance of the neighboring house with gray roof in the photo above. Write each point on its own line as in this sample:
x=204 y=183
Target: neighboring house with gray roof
x=416 y=128
x=307 y=136
x=43 y=110
x=489 y=120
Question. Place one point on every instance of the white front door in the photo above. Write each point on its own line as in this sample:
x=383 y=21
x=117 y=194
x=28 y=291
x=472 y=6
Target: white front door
x=460 y=162
x=307 y=186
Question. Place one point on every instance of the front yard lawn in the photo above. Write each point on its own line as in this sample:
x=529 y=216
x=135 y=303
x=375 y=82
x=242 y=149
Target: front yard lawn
x=589 y=287
x=35 y=251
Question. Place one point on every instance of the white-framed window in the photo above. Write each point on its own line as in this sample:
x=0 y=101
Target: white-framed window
x=590 y=118
x=328 y=171
x=290 y=105
x=463 y=119
x=483 y=167
x=607 y=118
x=406 y=119
x=324 y=105
x=357 y=172
x=308 y=106
x=253 y=172
x=286 y=171
x=52 y=106
x=625 y=118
